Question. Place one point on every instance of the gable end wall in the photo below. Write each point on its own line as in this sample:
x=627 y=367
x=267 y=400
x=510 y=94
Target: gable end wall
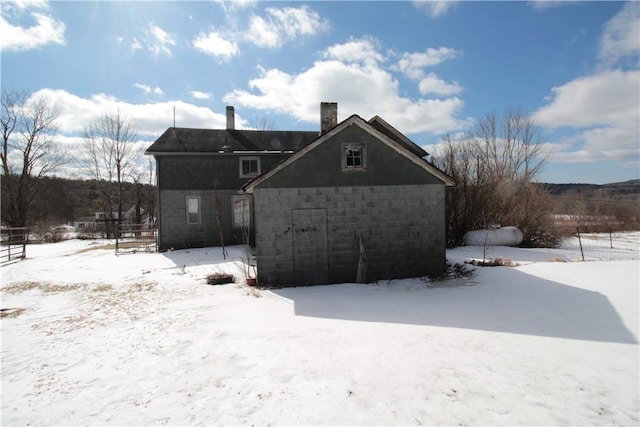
x=402 y=227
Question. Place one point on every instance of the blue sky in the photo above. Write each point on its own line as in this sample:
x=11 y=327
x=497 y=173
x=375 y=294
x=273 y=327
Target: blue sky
x=427 y=68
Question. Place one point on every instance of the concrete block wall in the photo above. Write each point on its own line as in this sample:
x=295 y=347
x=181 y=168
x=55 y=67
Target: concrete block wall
x=402 y=227
x=175 y=233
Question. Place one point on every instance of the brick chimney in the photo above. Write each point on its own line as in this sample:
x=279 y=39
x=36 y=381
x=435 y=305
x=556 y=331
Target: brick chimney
x=231 y=118
x=328 y=116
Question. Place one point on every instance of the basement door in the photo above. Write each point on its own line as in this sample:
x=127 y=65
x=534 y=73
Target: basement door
x=310 y=258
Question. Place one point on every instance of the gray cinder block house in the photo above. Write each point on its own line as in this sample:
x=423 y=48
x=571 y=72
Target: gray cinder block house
x=358 y=189
x=200 y=175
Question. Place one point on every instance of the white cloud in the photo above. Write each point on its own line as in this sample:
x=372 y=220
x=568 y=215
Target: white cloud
x=284 y=24
x=434 y=8
x=370 y=91
x=155 y=40
x=136 y=45
x=617 y=144
x=148 y=89
x=150 y=119
x=196 y=94
x=214 y=44
x=604 y=108
x=550 y=4
x=273 y=29
x=435 y=85
x=412 y=64
x=295 y=22
x=25 y=4
x=355 y=50
x=161 y=41
x=621 y=37
x=45 y=30
x=231 y=5
x=606 y=98
x=262 y=33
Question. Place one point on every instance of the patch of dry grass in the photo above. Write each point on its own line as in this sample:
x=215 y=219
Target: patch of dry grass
x=109 y=246
x=101 y=305
x=44 y=287
x=11 y=312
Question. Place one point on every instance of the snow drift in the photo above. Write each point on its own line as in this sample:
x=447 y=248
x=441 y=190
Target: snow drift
x=91 y=338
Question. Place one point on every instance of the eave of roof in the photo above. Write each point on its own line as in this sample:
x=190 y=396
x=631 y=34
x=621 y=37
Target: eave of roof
x=190 y=140
x=219 y=153
x=412 y=146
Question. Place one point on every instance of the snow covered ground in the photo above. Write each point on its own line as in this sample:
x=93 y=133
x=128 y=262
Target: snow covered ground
x=95 y=339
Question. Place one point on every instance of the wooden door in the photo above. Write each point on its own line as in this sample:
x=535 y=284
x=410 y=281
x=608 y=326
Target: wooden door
x=310 y=257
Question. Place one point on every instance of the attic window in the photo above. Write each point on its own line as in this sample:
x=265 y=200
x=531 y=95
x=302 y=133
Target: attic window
x=354 y=157
x=249 y=167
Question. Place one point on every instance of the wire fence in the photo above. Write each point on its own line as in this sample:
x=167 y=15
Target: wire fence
x=609 y=246
x=133 y=238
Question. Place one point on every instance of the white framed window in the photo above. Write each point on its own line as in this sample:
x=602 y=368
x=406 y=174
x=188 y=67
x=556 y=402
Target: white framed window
x=193 y=210
x=354 y=157
x=241 y=206
x=249 y=167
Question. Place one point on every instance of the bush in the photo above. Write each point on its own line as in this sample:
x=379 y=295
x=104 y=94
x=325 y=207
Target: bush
x=453 y=271
x=496 y=262
x=542 y=239
x=495 y=166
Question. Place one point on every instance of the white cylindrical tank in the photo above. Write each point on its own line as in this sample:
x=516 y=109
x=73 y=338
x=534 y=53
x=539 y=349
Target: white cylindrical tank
x=503 y=236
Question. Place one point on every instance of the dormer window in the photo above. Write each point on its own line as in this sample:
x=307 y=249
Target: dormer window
x=354 y=157
x=249 y=167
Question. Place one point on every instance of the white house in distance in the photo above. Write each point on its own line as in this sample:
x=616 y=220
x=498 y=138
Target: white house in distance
x=90 y=223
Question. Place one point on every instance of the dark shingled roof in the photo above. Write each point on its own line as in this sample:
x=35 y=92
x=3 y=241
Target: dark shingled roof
x=382 y=126
x=186 y=140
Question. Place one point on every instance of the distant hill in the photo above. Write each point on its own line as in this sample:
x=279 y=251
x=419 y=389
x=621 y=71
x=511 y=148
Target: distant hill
x=598 y=208
x=629 y=182
x=61 y=201
x=617 y=191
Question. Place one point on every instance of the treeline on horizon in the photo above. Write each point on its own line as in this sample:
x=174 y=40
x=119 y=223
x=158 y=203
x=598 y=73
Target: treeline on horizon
x=61 y=201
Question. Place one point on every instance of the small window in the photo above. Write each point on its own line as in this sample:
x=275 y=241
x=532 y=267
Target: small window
x=249 y=167
x=354 y=157
x=241 y=211
x=193 y=210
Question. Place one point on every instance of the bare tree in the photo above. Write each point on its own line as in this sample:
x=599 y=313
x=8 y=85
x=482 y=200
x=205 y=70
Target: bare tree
x=28 y=152
x=495 y=166
x=109 y=156
x=142 y=193
x=264 y=122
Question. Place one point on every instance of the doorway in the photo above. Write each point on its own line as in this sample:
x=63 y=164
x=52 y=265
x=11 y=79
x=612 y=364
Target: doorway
x=310 y=254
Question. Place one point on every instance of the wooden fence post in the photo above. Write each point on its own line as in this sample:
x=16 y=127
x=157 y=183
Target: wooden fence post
x=580 y=241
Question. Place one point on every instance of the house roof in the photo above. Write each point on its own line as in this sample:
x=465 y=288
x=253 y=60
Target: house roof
x=208 y=141
x=372 y=127
x=85 y=219
x=384 y=127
